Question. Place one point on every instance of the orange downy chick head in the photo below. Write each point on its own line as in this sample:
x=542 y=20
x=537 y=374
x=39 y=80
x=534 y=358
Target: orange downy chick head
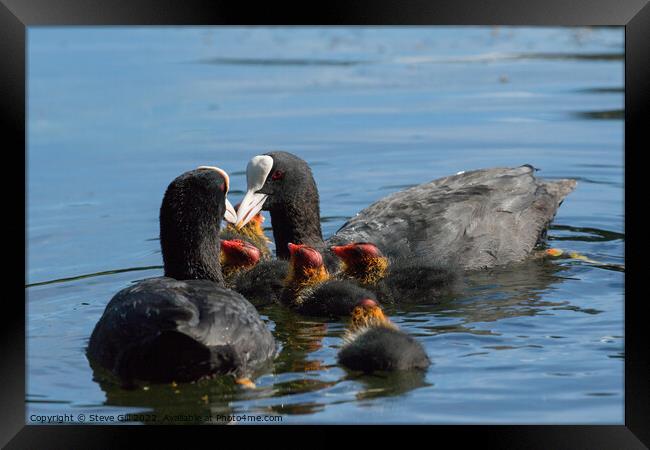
x=239 y=253
x=368 y=313
x=305 y=265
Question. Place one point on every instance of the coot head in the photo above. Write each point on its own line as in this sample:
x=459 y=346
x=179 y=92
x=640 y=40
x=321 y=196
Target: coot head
x=230 y=213
x=305 y=257
x=238 y=254
x=368 y=313
x=272 y=179
x=190 y=217
x=283 y=184
x=306 y=266
x=356 y=251
x=362 y=261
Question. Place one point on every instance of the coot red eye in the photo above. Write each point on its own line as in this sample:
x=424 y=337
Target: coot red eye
x=277 y=175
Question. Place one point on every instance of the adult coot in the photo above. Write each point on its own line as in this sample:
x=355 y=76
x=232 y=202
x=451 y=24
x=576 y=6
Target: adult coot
x=374 y=343
x=480 y=218
x=185 y=325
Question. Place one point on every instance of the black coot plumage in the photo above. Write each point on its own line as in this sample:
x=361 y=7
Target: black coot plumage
x=480 y=218
x=263 y=283
x=373 y=343
x=185 y=325
x=397 y=280
x=259 y=280
x=309 y=289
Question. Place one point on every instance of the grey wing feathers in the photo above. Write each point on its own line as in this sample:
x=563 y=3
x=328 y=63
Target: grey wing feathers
x=207 y=313
x=475 y=219
x=227 y=318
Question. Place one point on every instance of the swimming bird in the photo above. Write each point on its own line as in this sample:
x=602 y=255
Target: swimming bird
x=310 y=290
x=477 y=219
x=186 y=325
x=252 y=232
x=259 y=280
x=374 y=343
x=237 y=256
x=396 y=279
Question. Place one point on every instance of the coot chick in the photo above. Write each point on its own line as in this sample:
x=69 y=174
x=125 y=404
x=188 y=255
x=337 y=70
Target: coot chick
x=309 y=289
x=259 y=280
x=479 y=218
x=373 y=343
x=236 y=256
x=252 y=232
x=186 y=325
x=397 y=279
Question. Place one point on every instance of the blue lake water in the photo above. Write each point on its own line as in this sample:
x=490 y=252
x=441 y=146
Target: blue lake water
x=114 y=114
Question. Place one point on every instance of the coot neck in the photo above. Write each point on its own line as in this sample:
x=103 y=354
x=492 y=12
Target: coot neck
x=194 y=260
x=296 y=221
x=190 y=244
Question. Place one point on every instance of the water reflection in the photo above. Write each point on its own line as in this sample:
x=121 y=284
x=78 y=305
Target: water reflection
x=299 y=336
x=389 y=384
x=187 y=403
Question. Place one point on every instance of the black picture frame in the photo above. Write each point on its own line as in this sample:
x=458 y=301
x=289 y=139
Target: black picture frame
x=634 y=15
